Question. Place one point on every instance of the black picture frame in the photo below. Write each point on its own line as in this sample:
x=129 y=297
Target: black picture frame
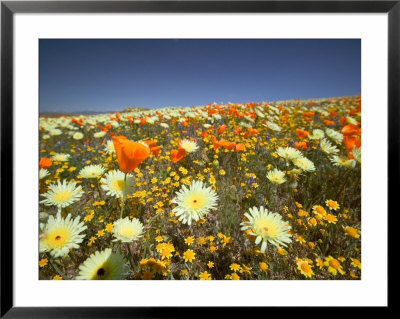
x=9 y=8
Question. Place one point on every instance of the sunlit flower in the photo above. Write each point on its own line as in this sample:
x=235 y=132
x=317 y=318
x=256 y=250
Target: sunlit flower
x=276 y=176
x=60 y=235
x=333 y=265
x=62 y=194
x=104 y=265
x=77 y=136
x=317 y=134
x=189 y=146
x=189 y=255
x=289 y=153
x=194 y=202
x=205 y=276
x=267 y=227
x=109 y=147
x=305 y=268
x=115 y=184
x=343 y=161
x=335 y=136
x=351 y=231
x=60 y=157
x=92 y=171
x=304 y=163
x=332 y=204
x=127 y=230
x=129 y=154
x=327 y=147
x=43 y=173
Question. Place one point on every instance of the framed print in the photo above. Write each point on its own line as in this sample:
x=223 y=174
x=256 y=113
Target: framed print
x=159 y=155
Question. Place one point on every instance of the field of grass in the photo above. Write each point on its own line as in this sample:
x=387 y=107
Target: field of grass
x=110 y=208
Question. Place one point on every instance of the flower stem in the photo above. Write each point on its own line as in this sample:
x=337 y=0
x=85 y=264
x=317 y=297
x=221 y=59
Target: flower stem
x=123 y=198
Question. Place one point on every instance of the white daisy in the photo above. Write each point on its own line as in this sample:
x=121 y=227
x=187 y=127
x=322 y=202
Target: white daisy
x=92 y=171
x=77 y=136
x=60 y=235
x=276 y=176
x=304 y=163
x=61 y=157
x=104 y=265
x=189 y=146
x=43 y=173
x=62 y=195
x=109 y=147
x=99 y=134
x=267 y=227
x=289 y=153
x=335 y=136
x=127 y=230
x=317 y=134
x=343 y=161
x=195 y=202
x=327 y=147
x=114 y=184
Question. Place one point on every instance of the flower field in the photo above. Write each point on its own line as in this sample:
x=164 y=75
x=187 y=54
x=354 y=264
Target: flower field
x=268 y=190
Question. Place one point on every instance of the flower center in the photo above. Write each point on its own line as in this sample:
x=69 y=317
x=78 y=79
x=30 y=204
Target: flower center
x=127 y=232
x=264 y=227
x=195 y=201
x=62 y=196
x=119 y=185
x=101 y=272
x=57 y=238
x=305 y=267
x=334 y=264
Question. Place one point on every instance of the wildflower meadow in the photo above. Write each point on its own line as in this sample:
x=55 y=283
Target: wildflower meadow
x=254 y=191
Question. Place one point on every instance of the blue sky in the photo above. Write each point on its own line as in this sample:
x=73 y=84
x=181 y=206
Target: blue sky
x=110 y=75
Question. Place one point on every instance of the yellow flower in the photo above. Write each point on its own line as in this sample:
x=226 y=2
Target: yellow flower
x=305 y=268
x=235 y=267
x=319 y=210
x=331 y=219
x=263 y=266
x=333 y=265
x=352 y=232
x=205 y=276
x=355 y=263
x=189 y=240
x=189 y=255
x=57 y=277
x=320 y=262
x=235 y=276
x=143 y=262
x=221 y=172
x=210 y=264
x=226 y=240
x=109 y=227
x=332 y=204
x=43 y=262
x=201 y=240
x=100 y=233
x=91 y=241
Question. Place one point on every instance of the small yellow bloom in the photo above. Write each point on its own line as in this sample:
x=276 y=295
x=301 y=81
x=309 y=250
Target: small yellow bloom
x=57 y=277
x=263 y=266
x=43 y=262
x=210 y=264
x=189 y=240
x=205 y=276
x=189 y=255
x=331 y=204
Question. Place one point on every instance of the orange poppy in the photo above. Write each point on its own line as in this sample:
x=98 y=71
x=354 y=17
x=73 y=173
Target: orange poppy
x=301 y=145
x=239 y=147
x=44 y=162
x=343 y=120
x=253 y=131
x=350 y=130
x=129 y=154
x=301 y=133
x=221 y=129
x=228 y=145
x=327 y=122
x=177 y=155
x=153 y=148
x=350 y=142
